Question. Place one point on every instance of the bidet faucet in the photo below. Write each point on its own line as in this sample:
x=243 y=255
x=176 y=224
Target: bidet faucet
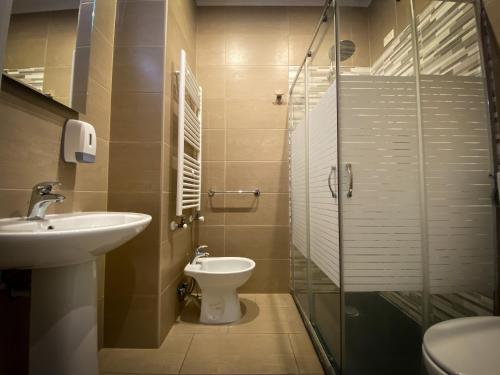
x=41 y=198
x=200 y=253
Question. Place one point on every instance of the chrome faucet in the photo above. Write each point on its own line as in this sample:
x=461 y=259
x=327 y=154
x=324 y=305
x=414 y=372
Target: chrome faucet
x=200 y=253
x=41 y=198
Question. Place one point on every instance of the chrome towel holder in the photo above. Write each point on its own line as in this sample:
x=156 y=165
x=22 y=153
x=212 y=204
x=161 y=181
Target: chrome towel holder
x=255 y=192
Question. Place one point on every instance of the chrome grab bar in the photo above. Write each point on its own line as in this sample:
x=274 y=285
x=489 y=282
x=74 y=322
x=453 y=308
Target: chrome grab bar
x=255 y=192
x=348 y=168
x=332 y=170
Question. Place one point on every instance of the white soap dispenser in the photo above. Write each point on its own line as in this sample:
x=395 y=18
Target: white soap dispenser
x=79 y=142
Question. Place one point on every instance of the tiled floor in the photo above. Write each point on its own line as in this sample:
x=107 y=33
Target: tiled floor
x=269 y=339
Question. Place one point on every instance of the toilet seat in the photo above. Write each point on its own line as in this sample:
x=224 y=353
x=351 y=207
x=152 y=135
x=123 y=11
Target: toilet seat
x=431 y=366
x=465 y=346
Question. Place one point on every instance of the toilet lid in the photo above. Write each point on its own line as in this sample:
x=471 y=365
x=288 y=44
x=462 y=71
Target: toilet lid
x=465 y=346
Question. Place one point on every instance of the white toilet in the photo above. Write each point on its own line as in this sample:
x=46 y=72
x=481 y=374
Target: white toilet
x=468 y=346
x=218 y=279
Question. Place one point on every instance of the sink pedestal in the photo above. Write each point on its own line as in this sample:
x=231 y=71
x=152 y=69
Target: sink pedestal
x=63 y=323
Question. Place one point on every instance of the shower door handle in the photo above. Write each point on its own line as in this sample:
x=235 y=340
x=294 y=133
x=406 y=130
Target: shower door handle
x=348 y=168
x=332 y=171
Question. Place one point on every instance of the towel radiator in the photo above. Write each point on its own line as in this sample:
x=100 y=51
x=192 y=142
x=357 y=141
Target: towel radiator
x=189 y=140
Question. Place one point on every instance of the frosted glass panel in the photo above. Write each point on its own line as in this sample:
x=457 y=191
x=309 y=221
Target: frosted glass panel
x=324 y=223
x=381 y=222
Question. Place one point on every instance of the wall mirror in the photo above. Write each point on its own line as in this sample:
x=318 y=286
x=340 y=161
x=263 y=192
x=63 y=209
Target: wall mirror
x=47 y=48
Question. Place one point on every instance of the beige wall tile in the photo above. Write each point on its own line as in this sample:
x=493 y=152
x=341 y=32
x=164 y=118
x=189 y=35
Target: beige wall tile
x=89 y=201
x=213 y=237
x=493 y=12
x=101 y=60
x=303 y=20
x=25 y=53
x=133 y=267
x=18 y=135
x=94 y=176
x=184 y=13
x=213 y=145
x=60 y=51
x=169 y=311
x=211 y=79
x=298 y=45
x=382 y=20
x=256 y=20
x=255 y=114
x=255 y=82
x=256 y=145
x=57 y=82
x=210 y=20
x=174 y=255
x=269 y=177
x=214 y=116
x=137 y=117
x=134 y=166
x=138 y=69
x=169 y=169
x=210 y=49
x=125 y=318
x=257 y=242
x=104 y=18
x=14 y=202
x=269 y=276
x=29 y=26
x=140 y=23
x=213 y=209
x=212 y=176
x=243 y=49
x=98 y=108
x=268 y=209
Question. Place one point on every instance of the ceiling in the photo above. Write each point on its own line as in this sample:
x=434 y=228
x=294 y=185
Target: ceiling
x=353 y=3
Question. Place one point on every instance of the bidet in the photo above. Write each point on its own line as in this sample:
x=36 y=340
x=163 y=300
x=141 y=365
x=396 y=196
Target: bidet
x=218 y=278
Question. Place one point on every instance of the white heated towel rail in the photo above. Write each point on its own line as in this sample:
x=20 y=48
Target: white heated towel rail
x=189 y=158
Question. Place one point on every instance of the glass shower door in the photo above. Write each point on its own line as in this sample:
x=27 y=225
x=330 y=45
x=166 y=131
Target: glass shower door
x=324 y=262
x=314 y=205
x=379 y=171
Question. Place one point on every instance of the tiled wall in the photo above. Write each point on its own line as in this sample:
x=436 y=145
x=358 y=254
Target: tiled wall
x=142 y=276
x=176 y=247
x=132 y=271
x=243 y=56
x=30 y=138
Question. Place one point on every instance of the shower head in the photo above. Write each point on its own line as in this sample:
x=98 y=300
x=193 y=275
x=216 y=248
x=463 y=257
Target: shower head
x=347 y=49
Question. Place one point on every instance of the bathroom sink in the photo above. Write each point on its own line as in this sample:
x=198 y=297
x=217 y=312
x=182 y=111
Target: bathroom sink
x=466 y=346
x=61 y=250
x=65 y=239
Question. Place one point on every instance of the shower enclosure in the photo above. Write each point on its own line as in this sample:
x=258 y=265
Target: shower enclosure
x=392 y=205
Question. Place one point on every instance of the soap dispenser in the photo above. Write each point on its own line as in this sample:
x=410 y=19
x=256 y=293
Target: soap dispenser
x=79 y=142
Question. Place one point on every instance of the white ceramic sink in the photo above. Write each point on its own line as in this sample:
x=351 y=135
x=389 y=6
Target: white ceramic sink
x=62 y=250
x=65 y=239
x=466 y=346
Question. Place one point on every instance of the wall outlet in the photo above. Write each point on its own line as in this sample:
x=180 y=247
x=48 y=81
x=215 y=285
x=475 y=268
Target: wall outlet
x=389 y=37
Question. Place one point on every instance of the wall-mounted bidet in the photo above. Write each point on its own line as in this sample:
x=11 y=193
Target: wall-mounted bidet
x=218 y=279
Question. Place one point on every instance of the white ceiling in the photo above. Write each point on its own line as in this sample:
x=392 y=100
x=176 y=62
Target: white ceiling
x=353 y=3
